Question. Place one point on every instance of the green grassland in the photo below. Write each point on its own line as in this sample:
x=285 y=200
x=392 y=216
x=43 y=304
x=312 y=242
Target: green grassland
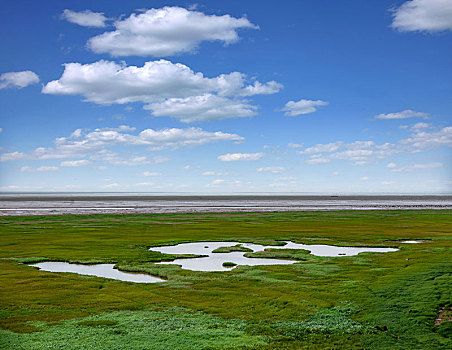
x=368 y=301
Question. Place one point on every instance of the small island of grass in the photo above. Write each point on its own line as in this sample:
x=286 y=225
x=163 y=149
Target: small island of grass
x=229 y=264
x=236 y=248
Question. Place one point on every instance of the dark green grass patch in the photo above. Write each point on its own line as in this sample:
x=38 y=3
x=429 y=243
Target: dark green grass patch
x=166 y=329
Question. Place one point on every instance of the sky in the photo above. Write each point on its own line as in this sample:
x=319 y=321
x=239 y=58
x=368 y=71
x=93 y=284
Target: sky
x=307 y=96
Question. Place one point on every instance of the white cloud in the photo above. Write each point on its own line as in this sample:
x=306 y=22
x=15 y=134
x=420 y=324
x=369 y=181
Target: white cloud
x=167 y=31
x=167 y=89
x=75 y=163
x=85 y=18
x=271 y=169
x=388 y=182
x=419 y=126
x=218 y=182
x=96 y=145
x=106 y=82
x=144 y=184
x=233 y=157
x=213 y=173
x=364 y=178
x=269 y=88
x=403 y=115
x=318 y=159
x=293 y=108
x=423 y=15
x=76 y=134
x=109 y=186
x=18 y=79
x=202 y=108
x=426 y=140
x=11 y=156
x=320 y=148
x=361 y=152
x=358 y=152
x=150 y=173
x=295 y=145
x=41 y=168
x=47 y=168
x=414 y=167
x=1 y=130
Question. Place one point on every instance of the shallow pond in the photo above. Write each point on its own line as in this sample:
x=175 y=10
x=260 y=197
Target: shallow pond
x=99 y=270
x=214 y=261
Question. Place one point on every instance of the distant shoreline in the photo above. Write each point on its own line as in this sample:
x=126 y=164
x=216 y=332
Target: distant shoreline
x=203 y=197
x=77 y=204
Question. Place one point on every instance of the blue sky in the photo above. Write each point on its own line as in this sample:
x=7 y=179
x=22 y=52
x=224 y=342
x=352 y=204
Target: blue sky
x=312 y=96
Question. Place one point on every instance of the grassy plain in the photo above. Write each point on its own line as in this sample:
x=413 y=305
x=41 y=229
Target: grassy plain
x=372 y=301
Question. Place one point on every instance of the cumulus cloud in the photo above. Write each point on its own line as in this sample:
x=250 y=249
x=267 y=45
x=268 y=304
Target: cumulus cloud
x=271 y=169
x=403 y=115
x=293 y=108
x=271 y=87
x=167 y=89
x=202 y=108
x=233 y=157
x=167 y=31
x=75 y=163
x=423 y=15
x=97 y=145
x=85 y=18
x=18 y=79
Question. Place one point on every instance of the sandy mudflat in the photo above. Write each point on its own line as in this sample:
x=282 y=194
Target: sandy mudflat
x=82 y=204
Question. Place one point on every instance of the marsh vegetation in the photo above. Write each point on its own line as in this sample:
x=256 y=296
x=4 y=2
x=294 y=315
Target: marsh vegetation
x=370 y=300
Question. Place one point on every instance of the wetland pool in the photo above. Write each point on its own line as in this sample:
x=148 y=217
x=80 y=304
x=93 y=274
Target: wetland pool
x=213 y=261
x=210 y=259
x=99 y=270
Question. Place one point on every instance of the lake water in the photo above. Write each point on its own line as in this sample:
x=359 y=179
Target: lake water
x=214 y=261
x=99 y=270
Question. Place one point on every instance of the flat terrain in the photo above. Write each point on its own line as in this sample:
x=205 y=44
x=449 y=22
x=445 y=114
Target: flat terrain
x=397 y=300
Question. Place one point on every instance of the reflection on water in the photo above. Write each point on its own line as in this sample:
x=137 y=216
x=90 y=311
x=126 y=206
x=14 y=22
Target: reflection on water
x=214 y=261
x=99 y=270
